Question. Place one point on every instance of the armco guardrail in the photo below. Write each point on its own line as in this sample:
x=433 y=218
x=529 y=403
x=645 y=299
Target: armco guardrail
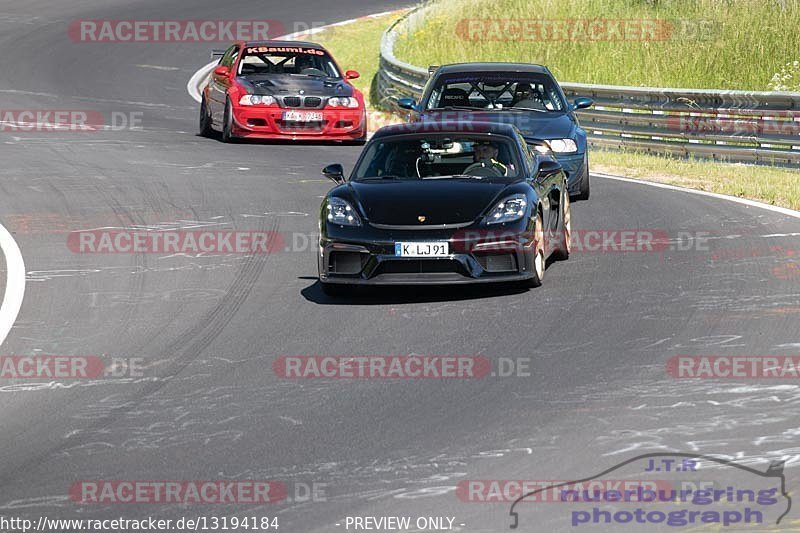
x=736 y=126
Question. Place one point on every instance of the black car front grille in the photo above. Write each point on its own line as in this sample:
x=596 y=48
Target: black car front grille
x=292 y=101
x=287 y=125
x=498 y=262
x=420 y=266
x=302 y=102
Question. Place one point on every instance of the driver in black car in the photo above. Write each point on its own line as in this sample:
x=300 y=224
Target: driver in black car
x=485 y=155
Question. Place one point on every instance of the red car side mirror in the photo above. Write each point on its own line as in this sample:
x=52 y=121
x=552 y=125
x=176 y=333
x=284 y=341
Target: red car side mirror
x=222 y=72
x=351 y=75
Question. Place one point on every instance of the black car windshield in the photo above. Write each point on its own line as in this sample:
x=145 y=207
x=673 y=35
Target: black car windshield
x=262 y=60
x=439 y=157
x=497 y=90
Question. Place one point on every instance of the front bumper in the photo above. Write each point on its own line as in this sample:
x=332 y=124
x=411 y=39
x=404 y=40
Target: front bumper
x=576 y=165
x=476 y=256
x=268 y=123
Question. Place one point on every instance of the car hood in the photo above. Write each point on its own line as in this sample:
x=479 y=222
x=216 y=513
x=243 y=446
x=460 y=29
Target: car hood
x=440 y=201
x=532 y=124
x=281 y=84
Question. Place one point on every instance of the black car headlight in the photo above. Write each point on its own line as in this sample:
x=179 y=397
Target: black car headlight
x=563 y=146
x=341 y=212
x=508 y=210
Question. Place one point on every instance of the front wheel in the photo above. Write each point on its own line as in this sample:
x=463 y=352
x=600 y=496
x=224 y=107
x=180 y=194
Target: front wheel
x=538 y=258
x=583 y=191
x=564 y=241
x=227 y=124
x=205 y=120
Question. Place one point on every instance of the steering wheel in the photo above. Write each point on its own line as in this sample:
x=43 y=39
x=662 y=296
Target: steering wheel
x=487 y=170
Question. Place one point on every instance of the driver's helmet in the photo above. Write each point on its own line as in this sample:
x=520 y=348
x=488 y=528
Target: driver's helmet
x=303 y=62
x=522 y=92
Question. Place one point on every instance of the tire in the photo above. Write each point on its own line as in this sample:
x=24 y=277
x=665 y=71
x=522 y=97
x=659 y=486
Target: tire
x=565 y=236
x=539 y=257
x=205 y=120
x=227 y=123
x=334 y=290
x=583 y=192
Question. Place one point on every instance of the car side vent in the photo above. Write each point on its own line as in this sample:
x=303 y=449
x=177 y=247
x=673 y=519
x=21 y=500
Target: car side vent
x=346 y=262
x=498 y=262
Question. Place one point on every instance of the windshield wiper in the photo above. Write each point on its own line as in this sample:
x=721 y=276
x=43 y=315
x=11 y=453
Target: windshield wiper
x=453 y=176
x=455 y=107
x=528 y=109
x=388 y=177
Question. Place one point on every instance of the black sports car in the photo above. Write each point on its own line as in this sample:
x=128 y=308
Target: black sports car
x=527 y=96
x=431 y=203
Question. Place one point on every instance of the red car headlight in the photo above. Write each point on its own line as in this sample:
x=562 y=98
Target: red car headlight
x=343 y=101
x=255 y=99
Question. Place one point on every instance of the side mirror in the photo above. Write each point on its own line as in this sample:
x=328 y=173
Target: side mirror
x=548 y=168
x=334 y=172
x=407 y=103
x=351 y=75
x=222 y=72
x=582 y=103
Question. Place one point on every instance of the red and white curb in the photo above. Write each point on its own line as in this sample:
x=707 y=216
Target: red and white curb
x=200 y=78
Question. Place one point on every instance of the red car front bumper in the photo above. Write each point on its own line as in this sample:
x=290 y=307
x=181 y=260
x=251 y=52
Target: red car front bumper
x=269 y=123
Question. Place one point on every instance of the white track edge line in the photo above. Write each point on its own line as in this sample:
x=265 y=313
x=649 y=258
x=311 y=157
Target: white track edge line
x=736 y=199
x=15 y=283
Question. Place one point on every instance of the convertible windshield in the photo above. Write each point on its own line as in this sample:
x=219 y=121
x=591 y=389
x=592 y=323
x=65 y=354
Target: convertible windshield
x=439 y=157
x=287 y=60
x=497 y=90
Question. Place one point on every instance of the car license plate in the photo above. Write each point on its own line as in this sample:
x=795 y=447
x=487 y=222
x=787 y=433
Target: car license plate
x=422 y=249
x=300 y=116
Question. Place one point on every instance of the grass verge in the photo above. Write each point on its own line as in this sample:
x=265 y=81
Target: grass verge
x=771 y=185
x=356 y=46
x=730 y=44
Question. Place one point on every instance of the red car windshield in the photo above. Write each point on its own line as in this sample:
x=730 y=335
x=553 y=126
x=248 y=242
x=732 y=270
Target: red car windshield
x=265 y=60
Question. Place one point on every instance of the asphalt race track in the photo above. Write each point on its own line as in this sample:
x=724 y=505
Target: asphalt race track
x=208 y=405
